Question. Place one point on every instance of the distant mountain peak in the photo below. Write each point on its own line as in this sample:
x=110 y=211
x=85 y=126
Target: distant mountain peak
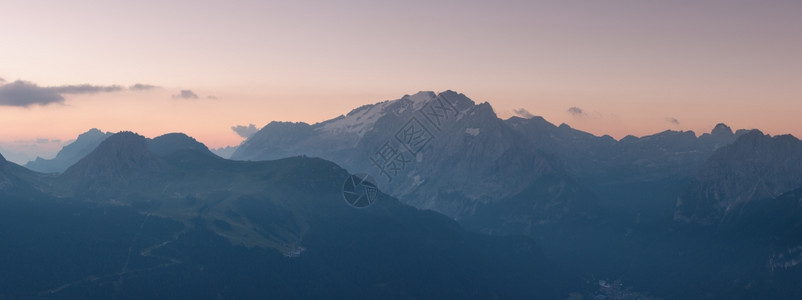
x=93 y=131
x=459 y=100
x=71 y=153
x=722 y=130
x=753 y=168
x=752 y=137
x=485 y=111
x=173 y=142
x=420 y=99
x=123 y=142
x=118 y=156
x=358 y=121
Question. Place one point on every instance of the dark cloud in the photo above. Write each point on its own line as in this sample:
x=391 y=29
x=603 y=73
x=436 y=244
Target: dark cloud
x=672 y=120
x=142 y=87
x=85 y=89
x=576 y=111
x=523 y=113
x=186 y=94
x=24 y=93
x=245 y=131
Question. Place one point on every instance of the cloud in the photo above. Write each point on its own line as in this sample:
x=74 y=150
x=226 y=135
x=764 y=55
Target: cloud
x=23 y=93
x=523 y=113
x=212 y=97
x=245 y=131
x=85 y=89
x=46 y=141
x=142 y=87
x=672 y=120
x=576 y=111
x=186 y=94
x=2 y=80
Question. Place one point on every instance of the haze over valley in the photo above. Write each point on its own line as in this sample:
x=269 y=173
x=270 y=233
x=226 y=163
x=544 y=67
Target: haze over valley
x=408 y=150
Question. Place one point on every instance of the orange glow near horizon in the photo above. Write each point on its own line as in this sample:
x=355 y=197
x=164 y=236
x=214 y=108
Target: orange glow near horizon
x=210 y=120
x=630 y=68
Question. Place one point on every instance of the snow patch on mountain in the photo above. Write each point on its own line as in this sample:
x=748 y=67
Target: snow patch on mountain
x=416 y=181
x=358 y=121
x=361 y=120
x=420 y=99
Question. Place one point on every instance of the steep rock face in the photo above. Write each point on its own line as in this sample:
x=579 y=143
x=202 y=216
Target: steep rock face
x=754 y=168
x=435 y=151
x=70 y=154
x=478 y=161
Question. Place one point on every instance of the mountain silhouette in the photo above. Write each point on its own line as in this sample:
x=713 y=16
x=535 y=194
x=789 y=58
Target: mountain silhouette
x=754 y=168
x=173 y=142
x=463 y=160
x=150 y=212
x=70 y=154
x=468 y=206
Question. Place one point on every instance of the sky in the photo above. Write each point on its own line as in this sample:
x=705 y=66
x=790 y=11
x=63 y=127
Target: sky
x=202 y=67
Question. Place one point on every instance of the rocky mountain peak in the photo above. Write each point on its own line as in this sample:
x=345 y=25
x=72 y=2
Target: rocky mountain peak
x=92 y=133
x=119 y=155
x=174 y=142
x=753 y=168
x=722 y=130
x=70 y=154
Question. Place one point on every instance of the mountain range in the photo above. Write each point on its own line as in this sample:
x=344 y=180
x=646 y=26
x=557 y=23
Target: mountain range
x=469 y=160
x=164 y=217
x=587 y=199
x=71 y=153
x=471 y=206
x=756 y=167
x=434 y=151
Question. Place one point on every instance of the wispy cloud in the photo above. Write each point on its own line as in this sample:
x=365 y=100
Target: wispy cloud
x=245 y=131
x=672 y=120
x=186 y=94
x=212 y=97
x=2 y=80
x=523 y=113
x=24 y=93
x=142 y=87
x=85 y=89
x=576 y=111
x=47 y=141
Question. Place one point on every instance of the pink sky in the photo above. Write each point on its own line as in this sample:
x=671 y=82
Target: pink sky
x=629 y=65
